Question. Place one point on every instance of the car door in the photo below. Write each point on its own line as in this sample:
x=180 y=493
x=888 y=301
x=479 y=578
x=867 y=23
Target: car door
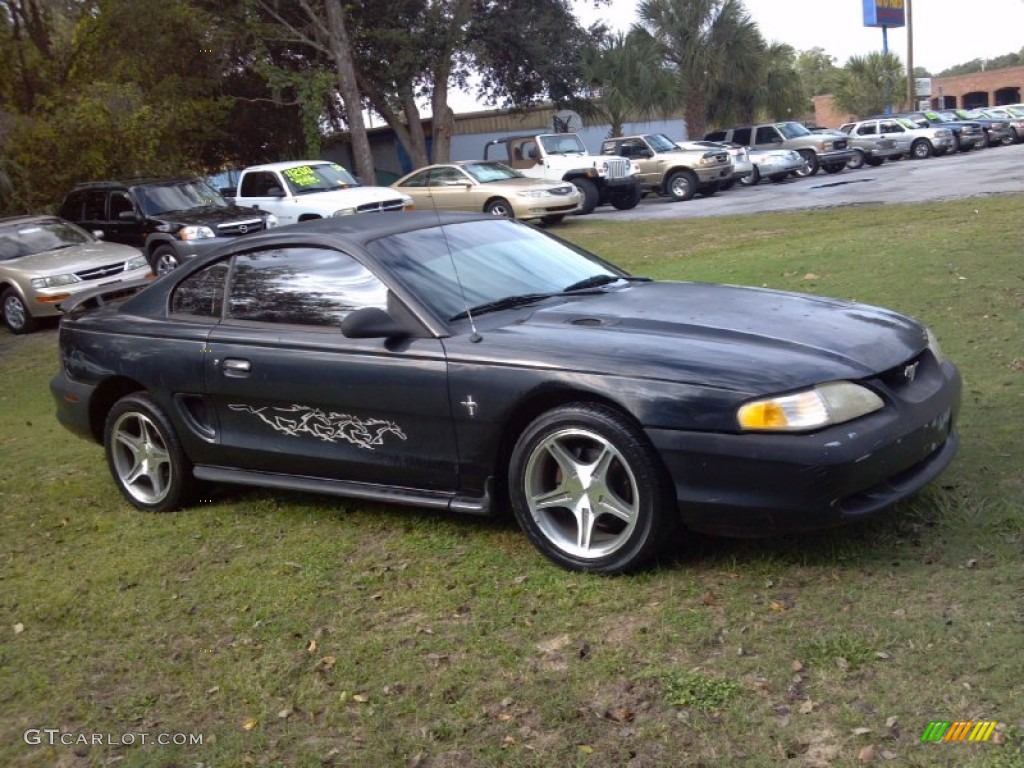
x=125 y=222
x=266 y=190
x=641 y=154
x=293 y=395
x=891 y=129
x=449 y=189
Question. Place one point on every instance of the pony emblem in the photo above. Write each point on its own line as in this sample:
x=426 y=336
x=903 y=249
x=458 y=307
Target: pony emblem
x=298 y=420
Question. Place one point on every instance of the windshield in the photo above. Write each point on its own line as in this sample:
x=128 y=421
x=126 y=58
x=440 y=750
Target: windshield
x=485 y=172
x=792 y=130
x=182 y=196
x=321 y=177
x=28 y=238
x=495 y=259
x=562 y=144
x=660 y=142
x=906 y=123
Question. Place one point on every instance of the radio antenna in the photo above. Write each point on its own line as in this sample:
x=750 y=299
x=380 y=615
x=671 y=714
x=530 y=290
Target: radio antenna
x=474 y=336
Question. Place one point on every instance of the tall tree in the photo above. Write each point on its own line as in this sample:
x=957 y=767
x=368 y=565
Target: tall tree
x=626 y=79
x=706 y=42
x=870 y=83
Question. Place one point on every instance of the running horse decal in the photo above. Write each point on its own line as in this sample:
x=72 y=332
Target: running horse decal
x=330 y=427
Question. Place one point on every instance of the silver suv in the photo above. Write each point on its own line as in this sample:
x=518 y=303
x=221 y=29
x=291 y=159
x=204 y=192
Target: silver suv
x=909 y=138
x=829 y=150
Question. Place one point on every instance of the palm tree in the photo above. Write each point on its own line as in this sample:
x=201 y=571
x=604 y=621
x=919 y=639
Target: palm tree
x=712 y=46
x=868 y=84
x=626 y=80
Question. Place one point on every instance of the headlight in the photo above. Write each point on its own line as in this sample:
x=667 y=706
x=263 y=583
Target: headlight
x=136 y=262
x=195 y=233
x=344 y=212
x=54 y=280
x=271 y=221
x=823 y=406
x=535 y=193
x=933 y=346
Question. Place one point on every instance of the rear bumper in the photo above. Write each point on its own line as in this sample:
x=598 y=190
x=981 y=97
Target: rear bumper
x=72 y=399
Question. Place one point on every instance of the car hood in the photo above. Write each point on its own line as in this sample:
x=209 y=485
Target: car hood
x=745 y=339
x=525 y=185
x=211 y=215
x=73 y=259
x=352 y=196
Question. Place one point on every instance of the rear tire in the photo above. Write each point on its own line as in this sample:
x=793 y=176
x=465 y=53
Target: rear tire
x=874 y=162
x=857 y=161
x=145 y=457
x=833 y=167
x=590 y=195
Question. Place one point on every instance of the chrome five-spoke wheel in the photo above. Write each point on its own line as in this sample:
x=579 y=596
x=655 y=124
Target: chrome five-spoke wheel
x=589 y=491
x=144 y=455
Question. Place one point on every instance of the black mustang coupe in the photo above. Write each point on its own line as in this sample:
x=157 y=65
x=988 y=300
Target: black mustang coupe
x=458 y=361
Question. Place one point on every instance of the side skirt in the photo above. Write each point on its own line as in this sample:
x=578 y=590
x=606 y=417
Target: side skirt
x=481 y=506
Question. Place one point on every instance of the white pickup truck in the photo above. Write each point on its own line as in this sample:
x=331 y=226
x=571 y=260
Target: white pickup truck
x=301 y=190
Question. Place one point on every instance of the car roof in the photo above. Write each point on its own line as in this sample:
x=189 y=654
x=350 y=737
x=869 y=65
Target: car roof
x=285 y=164
x=141 y=181
x=26 y=219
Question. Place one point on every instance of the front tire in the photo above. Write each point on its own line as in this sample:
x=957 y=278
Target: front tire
x=834 y=167
x=627 y=200
x=500 y=207
x=145 y=457
x=682 y=186
x=555 y=218
x=752 y=179
x=921 y=149
x=163 y=260
x=589 y=491
x=590 y=195
x=17 y=318
x=810 y=166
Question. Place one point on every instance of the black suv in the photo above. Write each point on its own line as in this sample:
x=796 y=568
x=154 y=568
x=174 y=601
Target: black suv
x=171 y=220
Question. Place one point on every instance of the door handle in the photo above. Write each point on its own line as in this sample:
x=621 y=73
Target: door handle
x=233 y=366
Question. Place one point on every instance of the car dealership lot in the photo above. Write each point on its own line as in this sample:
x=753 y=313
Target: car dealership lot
x=980 y=172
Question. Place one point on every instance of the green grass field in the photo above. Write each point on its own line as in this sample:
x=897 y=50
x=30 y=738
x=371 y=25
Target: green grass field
x=292 y=630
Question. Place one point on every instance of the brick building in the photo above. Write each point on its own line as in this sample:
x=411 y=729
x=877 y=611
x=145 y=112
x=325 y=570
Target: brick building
x=980 y=89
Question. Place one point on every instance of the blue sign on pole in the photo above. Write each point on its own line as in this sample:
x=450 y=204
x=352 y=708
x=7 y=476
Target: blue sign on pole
x=884 y=13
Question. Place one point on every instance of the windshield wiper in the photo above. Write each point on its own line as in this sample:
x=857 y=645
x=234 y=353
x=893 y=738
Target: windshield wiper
x=506 y=303
x=596 y=281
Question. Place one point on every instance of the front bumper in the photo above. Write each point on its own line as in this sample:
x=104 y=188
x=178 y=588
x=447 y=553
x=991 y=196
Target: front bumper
x=761 y=484
x=835 y=157
x=44 y=302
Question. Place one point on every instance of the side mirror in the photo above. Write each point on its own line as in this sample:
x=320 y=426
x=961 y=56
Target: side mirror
x=371 y=323
x=645 y=153
x=128 y=216
x=98 y=234
x=275 y=192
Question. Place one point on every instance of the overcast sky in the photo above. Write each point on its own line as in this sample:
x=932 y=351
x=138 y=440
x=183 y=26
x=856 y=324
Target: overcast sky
x=946 y=32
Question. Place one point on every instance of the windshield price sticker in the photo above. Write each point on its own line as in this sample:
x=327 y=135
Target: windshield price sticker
x=303 y=176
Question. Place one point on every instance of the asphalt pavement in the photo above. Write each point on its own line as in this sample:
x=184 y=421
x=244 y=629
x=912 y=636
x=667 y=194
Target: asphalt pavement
x=989 y=171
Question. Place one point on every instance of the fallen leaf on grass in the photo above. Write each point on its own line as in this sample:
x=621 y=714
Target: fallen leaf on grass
x=866 y=754
x=797 y=666
x=620 y=715
x=19 y=628
x=249 y=724
x=311 y=647
x=326 y=664
x=285 y=713
x=860 y=731
x=708 y=598
x=806 y=707
x=586 y=749
x=360 y=698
